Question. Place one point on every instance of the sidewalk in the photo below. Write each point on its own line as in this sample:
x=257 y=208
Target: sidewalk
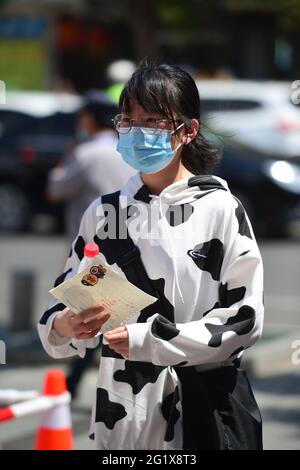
x=276 y=383
x=275 y=379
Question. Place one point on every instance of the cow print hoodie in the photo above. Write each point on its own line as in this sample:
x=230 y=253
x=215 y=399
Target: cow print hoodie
x=204 y=259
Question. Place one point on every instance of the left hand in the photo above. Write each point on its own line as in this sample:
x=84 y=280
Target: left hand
x=118 y=340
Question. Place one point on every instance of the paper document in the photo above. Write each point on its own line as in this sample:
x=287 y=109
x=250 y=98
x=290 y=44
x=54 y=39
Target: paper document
x=99 y=285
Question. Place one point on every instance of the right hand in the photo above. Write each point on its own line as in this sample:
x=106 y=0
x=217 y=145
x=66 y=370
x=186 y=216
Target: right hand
x=68 y=324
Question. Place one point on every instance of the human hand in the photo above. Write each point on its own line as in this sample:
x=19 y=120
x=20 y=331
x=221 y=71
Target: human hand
x=118 y=340
x=68 y=324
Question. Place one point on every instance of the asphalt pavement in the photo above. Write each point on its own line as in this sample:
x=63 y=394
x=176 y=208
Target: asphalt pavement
x=272 y=363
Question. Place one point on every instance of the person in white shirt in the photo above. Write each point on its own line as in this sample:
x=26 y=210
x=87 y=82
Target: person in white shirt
x=94 y=167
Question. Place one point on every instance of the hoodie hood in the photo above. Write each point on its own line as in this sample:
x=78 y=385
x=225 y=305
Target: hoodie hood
x=181 y=192
x=185 y=191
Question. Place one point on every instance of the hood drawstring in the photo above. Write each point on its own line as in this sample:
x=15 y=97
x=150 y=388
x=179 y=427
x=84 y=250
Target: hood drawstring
x=171 y=247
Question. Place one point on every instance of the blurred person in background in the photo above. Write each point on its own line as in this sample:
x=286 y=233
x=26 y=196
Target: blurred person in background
x=92 y=169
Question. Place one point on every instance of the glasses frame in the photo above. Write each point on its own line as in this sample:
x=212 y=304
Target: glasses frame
x=126 y=130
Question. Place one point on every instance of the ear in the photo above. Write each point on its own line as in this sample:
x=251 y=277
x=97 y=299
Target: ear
x=191 y=131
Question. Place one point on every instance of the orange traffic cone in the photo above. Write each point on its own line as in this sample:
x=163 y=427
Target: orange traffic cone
x=55 y=432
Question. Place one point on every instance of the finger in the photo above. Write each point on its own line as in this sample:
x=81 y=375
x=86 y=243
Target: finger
x=117 y=345
x=88 y=335
x=93 y=324
x=103 y=316
x=89 y=313
x=120 y=329
x=117 y=337
x=90 y=326
x=82 y=329
x=76 y=319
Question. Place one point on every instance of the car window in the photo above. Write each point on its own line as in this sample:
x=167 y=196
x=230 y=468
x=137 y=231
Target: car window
x=48 y=135
x=209 y=105
x=57 y=124
x=13 y=121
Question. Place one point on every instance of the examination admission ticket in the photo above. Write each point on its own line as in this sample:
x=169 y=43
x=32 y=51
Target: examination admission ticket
x=97 y=285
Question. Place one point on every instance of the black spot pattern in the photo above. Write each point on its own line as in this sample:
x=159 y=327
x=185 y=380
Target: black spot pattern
x=61 y=278
x=113 y=249
x=209 y=256
x=200 y=196
x=205 y=182
x=79 y=247
x=245 y=253
x=168 y=309
x=70 y=254
x=138 y=374
x=48 y=313
x=177 y=215
x=110 y=248
x=143 y=194
x=228 y=297
x=163 y=328
x=237 y=351
x=217 y=305
x=108 y=412
x=244 y=228
x=74 y=347
x=242 y=323
x=170 y=413
x=107 y=352
x=183 y=363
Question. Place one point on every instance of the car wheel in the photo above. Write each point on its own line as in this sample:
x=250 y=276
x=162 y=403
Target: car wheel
x=14 y=208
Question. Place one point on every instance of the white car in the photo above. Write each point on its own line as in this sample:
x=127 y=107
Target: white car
x=257 y=114
x=19 y=106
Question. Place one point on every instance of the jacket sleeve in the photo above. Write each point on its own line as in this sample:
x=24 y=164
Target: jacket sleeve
x=233 y=323
x=55 y=345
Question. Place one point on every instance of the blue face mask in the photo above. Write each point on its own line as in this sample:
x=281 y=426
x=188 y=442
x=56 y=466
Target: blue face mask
x=147 y=150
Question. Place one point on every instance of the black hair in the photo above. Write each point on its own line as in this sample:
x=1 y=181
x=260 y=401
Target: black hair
x=172 y=92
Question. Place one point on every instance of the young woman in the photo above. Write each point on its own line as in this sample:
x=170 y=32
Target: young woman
x=170 y=378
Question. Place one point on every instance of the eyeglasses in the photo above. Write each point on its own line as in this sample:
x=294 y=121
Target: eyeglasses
x=123 y=123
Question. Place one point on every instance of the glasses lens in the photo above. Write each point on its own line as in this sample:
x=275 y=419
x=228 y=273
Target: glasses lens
x=122 y=124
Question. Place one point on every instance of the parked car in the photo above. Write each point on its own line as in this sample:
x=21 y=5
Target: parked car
x=258 y=114
x=268 y=188
x=35 y=131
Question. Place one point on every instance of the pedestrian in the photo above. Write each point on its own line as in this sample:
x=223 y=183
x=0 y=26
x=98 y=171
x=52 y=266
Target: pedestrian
x=171 y=377
x=93 y=167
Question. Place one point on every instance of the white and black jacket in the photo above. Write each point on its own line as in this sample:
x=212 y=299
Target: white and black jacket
x=204 y=260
